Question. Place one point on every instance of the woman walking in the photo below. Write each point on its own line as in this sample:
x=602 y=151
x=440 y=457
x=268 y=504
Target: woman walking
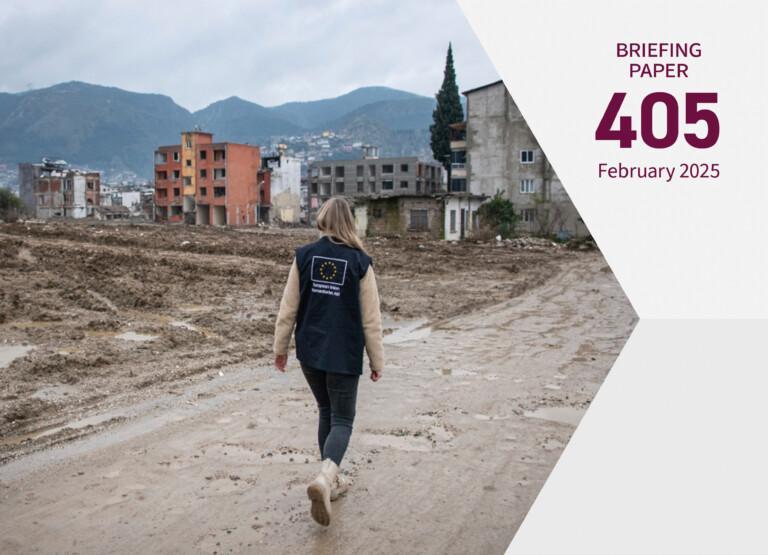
x=332 y=299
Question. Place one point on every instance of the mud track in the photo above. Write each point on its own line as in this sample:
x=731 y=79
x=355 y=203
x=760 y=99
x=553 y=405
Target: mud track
x=189 y=442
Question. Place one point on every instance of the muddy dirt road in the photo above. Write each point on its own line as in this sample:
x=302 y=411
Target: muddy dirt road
x=448 y=453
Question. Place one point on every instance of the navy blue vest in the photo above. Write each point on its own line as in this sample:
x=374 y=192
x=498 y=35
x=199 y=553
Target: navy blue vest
x=329 y=325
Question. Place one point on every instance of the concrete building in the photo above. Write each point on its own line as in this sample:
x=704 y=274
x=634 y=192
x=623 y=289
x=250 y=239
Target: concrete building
x=54 y=189
x=202 y=182
x=494 y=151
x=285 y=186
x=434 y=216
x=371 y=175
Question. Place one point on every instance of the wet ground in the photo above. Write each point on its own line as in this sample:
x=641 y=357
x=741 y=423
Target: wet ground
x=143 y=416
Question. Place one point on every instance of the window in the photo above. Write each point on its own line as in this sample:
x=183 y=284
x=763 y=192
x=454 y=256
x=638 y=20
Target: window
x=186 y=181
x=387 y=185
x=161 y=158
x=188 y=162
x=203 y=174
x=176 y=174
x=377 y=213
x=527 y=215
x=219 y=155
x=526 y=157
x=326 y=170
x=373 y=186
x=361 y=187
x=188 y=141
x=387 y=168
x=526 y=186
x=325 y=189
x=203 y=191
x=453 y=221
x=162 y=175
x=313 y=187
x=219 y=173
x=359 y=171
x=458 y=184
x=372 y=170
x=176 y=191
x=219 y=192
x=175 y=156
x=203 y=154
x=418 y=186
x=458 y=158
x=403 y=184
x=419 y=220
x=339 y=171
x=339 y=187
x=404 y=168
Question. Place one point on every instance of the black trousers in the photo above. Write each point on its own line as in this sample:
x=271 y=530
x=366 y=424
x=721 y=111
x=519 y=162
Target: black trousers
x=336 y=396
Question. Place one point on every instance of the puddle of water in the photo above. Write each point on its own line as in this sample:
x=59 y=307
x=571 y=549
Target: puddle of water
x=569 y=416
x=133 y=336
x=405 y=330
x=9 y=353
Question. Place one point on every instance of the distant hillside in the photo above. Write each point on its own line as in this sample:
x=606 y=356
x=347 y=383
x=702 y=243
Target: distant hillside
x=114 y=130
x=317 y=113
x=238 y=120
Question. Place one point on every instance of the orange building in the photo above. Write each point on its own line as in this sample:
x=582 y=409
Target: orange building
x=206 y=183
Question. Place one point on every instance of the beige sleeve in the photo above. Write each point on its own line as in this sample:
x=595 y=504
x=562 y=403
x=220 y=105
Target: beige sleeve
x=371 y=312
x=286 y=317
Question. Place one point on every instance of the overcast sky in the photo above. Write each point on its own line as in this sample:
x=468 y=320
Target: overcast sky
x=266 y=51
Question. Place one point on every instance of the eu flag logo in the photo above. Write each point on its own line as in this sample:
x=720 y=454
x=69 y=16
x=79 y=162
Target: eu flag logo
x=328 y=270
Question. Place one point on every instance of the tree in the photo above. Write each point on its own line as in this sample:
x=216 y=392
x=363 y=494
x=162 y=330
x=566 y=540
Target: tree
x=499 y=214
x=447 y=111
x=10 y=204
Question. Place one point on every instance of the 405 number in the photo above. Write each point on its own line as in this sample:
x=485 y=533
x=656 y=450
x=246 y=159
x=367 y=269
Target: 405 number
x=626 y=135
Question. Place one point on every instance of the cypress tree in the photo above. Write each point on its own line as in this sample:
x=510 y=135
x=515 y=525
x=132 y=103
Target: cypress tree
x=447 y=111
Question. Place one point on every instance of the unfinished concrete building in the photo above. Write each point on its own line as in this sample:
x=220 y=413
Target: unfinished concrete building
x=372 y=175
x=495 y=151
x=53 y=189
x=205 y=183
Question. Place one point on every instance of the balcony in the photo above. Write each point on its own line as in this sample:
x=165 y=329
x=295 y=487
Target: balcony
x=459 y=144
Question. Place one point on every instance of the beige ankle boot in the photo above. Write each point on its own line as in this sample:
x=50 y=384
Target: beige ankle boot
x=339 y=487
x=319 y=492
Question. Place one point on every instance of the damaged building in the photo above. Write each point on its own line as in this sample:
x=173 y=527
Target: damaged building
x=206 y=183
x=494 y=151
x=285 y=186
x=53 y=189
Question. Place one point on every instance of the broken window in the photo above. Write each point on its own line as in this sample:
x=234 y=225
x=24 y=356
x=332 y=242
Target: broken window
x=377 y=212
x=339 y=171
x=361 y=187
x=219 y=155
x=339 y=187
x=203 y=191
x=175 y=156
x=176 y=174
x=161 y=176
x=188 y=141
x=528 y=215
x=325 y=189
x=418 y=186
x=453 y=221
x=326 y=170
x=404 y=168
x=161 y=158
x=419 y=220
x=359 y=171
x=219 y=173
x=219 y=192
x=186 y=181
x=203 y=154
x=403 y=184
x=387 y=168
x=188 y=162
x=203 y=174
x=313 y=187
x=387 y=185
x=526 y=156
x=176 y=191
x=162 y=193
x=372 y=170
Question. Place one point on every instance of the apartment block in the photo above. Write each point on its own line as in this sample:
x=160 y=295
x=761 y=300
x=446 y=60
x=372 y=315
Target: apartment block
x=201 y=182
x=53 y=189
x=372 y=175
x=494 y=151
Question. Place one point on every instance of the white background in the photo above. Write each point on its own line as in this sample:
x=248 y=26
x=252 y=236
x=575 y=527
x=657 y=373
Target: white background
x=671 y=457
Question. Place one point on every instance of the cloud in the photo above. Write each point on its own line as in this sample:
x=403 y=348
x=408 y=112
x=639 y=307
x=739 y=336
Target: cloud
x=266 y=51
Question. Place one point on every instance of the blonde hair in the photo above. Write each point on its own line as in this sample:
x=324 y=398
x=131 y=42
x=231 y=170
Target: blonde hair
x=335 y=220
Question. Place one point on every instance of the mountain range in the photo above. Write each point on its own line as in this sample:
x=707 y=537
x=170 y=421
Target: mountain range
x=113 y=130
